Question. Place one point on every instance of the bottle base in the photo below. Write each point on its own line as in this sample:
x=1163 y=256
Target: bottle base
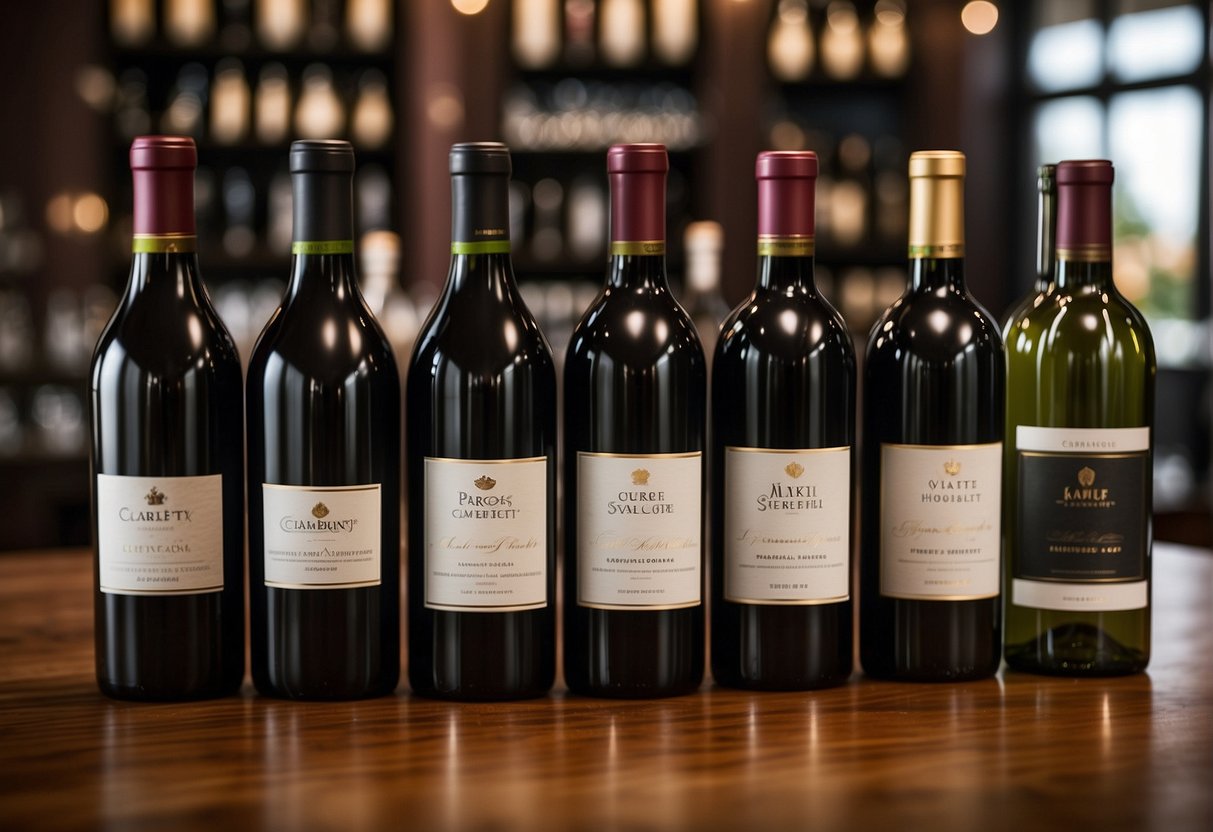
x=739 y=682
x=128 y=693
x=631 y=692
x=1075 y=650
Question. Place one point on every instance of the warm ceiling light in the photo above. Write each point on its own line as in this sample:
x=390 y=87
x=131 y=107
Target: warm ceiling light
x=979 y=17
x=469 y=6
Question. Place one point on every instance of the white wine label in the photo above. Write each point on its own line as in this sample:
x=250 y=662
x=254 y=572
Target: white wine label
x=486 y=534
x=940 y=521
x=160 y=535
x=787 y=525
x=319 y=537
x=639 y=530
x=1082 y=536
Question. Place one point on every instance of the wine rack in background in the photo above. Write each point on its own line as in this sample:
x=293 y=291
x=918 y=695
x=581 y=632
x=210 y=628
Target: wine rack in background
x=839 y=73
x=244 y=78
x=584 y=75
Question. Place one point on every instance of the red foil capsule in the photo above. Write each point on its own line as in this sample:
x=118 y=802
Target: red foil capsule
x=787 y=181
x=162 y=168
x=637 y=174
x=1084 y=210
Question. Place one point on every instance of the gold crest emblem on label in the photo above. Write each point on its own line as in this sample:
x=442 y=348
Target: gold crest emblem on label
x=640 y=477
x=320 y=510
x=156 y=497
x=794 y=470
x=1086 y=477
x=951 y=468
x=485 y=482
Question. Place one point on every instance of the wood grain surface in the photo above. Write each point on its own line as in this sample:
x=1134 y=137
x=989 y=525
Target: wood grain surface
x=1017 y=752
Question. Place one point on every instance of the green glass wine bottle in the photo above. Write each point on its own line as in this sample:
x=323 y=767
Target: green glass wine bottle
x=1080 y=409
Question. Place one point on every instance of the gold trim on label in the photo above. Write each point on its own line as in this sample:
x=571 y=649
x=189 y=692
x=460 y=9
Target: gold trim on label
x=373 y=486
x=744 y=450
x=786 y=245
x=163 y=243
x=508 y=608
x=641 y=607
x=1085 y=454
x=1092 y=253
x=948 y=251
x=686 y=455
x=486 y=461
x=941 y=447
x=815 y=602
x=909 y=597
x=642 y=247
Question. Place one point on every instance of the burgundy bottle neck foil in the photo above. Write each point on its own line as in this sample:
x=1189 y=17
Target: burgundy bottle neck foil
x=787 y=183
x=1084 y=211
x=162 y=170
x=637 y=174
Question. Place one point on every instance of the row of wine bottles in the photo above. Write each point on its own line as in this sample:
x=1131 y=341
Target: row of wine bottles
x=1005 y=492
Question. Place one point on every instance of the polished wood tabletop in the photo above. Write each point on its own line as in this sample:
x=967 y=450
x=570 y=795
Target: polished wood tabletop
x=1016 y=752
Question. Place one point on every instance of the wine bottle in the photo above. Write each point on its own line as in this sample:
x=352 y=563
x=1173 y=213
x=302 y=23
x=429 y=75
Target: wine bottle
x=167 y=459
x=481 y=463
x=634 y=402
x=932 y=457
x=1080 y=413
x=324 y=462
x=783 y=408
x=1046 y=234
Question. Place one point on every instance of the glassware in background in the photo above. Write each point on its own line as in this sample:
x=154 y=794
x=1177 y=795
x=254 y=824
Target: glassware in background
x=132 y=22
x=371 y=124
x=280 y=24
x=888 y=40
x=842 y=42
x=621 y=32
x=790 y=49
x=675 y=30
x=189 y=22
x=320 y=113
x=535 y=38
x=369 y=24
x=230 y=102
x=272 y=108
x=703 y=243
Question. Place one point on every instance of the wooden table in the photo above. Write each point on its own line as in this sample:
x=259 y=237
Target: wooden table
x=1017 y=752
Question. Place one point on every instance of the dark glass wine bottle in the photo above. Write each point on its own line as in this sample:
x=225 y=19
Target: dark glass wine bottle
x=324 y=462
x=1046 y=237
x=634 y=402
x=932 y=456
x=1079 y=473
x=783 y=408
x=481 y=463
x=167 y=458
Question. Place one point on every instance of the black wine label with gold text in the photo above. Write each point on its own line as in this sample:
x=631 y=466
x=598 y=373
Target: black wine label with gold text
x=1082 y=518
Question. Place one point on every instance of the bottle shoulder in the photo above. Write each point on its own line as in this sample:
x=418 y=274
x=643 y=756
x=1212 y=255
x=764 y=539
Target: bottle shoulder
x=784 y=327
x=936 y=324
x=635 y=326
x=1068 y=323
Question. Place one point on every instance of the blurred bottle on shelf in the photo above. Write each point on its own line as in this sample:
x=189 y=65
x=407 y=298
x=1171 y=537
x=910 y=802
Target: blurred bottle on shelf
x=63 y=343
x=621 y=32
x=280 y=24
x=703 y=243
x=131 y=116
x=186 y=102
x=230 y=103
x=239 y=203
x=891 y=190
x=320 y=113
x=535 y=36
x=16 y=332
x=888 y=40
x=132 y=22
x=373 y=190
x=587 y=218
x=380 y=272
x=279 y=217
x=675 y=30
x=368 y=23
x=58 y=417
x=579 y=26
x=856 y=292
x=848 y=199
x=790 y=49
x=547 y=243
x=189 y=23
x=325 y=28
x=206 y=203
x=272 y=107
x=520 y=204
x=371 y=124
x=12 y=432
x=236 y=31
x=842 y=42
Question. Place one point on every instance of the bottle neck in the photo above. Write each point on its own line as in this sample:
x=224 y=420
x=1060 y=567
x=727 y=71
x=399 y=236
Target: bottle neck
x=480 y=234
x=933 y=274
x=175 y=271
x=322 y=245
x=163 y=249
x=782 y=270
x=1077 y=275
x=637 y=271
x=1046 y=237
